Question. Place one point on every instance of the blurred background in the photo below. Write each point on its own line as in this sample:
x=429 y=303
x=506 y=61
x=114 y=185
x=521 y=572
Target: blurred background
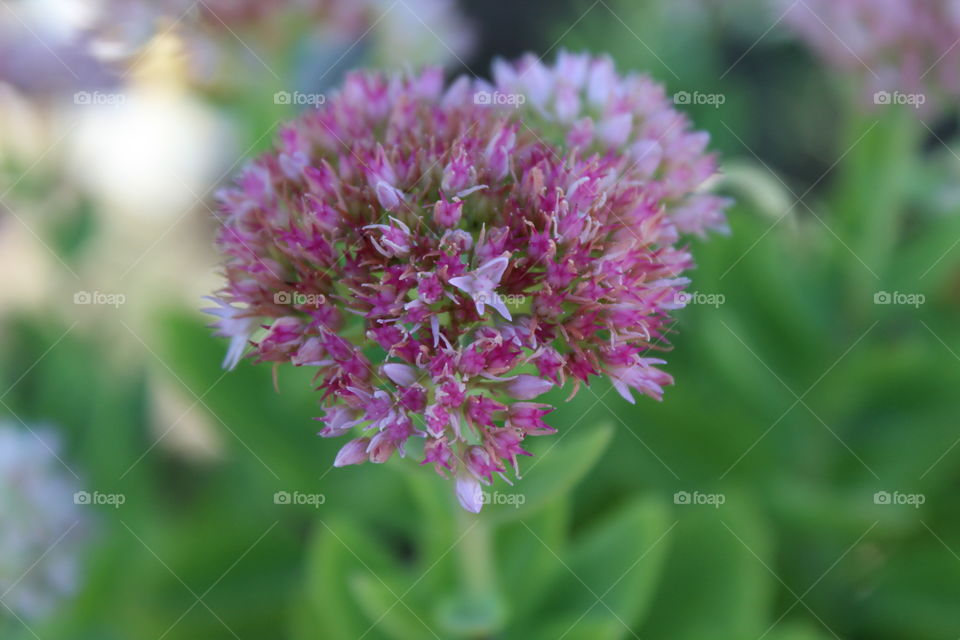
x=797 y=483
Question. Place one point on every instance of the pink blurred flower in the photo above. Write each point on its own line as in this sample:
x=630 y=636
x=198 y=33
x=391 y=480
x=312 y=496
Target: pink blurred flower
x=900 y=47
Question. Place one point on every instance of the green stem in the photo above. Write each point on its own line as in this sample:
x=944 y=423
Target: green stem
x=475 y=552
x=869 y=200
x=476 y=610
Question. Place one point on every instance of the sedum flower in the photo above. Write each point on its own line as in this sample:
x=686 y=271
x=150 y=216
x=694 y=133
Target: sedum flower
x=481 y=285
x=441 y=263
x=39 y=525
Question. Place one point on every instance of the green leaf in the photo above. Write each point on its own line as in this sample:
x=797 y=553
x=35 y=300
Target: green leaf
x=527 y=564
x=560 y=462
x=435 y=503
x=610 y=573
x=914 y=594
x=331 y=611
x=587 y=626
x=716 y=569
x=272 y=432
x=928 y=262
x=799 y=632
x=384 y=608
x=872 y=187
x=470 y=615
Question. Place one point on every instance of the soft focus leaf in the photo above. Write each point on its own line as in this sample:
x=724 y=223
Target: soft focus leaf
x=527 y=564
x=559 y=462
x=715 y=568
x=635 y=540
x=799 y=632
x=332 y=609
x=385 y=608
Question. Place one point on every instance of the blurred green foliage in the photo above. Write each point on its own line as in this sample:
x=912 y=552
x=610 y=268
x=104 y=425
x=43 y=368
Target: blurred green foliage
x=796 y=399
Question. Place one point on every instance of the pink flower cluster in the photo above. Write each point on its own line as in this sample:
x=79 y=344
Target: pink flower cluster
x=897 y=45
x=443 y=256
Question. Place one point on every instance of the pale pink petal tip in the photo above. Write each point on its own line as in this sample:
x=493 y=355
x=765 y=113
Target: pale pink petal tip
x=469 y=493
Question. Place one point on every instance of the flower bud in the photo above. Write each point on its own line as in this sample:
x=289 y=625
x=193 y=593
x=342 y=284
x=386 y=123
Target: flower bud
x=469 y=492
x=447 y=214
x=354 y=452
x=527 y=387
x=381 y=447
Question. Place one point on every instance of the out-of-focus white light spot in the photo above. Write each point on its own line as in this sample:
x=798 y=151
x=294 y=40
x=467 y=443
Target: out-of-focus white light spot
x=153 y=153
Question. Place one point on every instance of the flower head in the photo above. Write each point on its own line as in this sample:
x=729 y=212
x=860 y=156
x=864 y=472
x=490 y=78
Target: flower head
x=486 y=261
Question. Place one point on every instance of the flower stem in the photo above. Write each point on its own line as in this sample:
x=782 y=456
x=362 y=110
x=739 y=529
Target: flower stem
x=476 y=554
x=477 y=611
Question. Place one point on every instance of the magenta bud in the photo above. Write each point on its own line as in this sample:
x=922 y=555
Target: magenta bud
x=480 y=464
x=447 y=214
x=528 y=416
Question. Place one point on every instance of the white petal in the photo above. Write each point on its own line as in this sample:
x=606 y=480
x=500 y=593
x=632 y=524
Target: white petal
x=235 y=352
x=623 y=390
x=469 y=492
x=493 y=269
x=467 y=284
x=497 y=303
